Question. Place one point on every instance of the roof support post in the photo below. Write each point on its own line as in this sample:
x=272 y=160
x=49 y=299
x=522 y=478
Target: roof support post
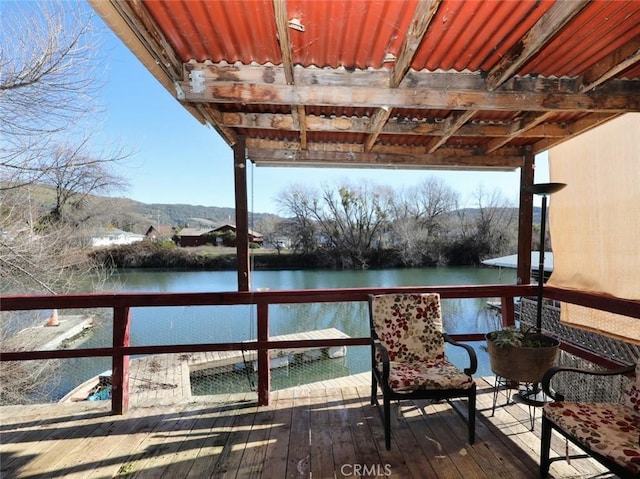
x=525 y=220
x=242 y=214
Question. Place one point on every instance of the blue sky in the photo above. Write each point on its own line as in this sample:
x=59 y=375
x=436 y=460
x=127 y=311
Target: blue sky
x=179 y=160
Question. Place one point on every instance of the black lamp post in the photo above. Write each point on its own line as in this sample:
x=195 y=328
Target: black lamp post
x=535 y=396
x=542 y=189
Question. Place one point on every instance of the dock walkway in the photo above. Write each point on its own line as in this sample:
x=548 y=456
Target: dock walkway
x=167 y=376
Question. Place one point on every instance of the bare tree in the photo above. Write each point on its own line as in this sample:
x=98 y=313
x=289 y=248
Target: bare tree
x=487 y=230
x=47 y=80
x=298 y=203
x=418 y=220
x=346 y=222
x=75 y=175
x=272 y=229
x=48 y=88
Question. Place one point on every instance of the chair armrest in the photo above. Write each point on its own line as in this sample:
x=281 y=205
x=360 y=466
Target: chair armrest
x=473 y=360
x=552 y=371
x=384 y=357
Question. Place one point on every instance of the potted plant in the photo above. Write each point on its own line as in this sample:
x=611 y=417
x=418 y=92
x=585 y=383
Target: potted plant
x=521 y=354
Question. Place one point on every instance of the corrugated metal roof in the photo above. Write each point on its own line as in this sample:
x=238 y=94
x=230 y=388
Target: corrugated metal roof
x=419 y=82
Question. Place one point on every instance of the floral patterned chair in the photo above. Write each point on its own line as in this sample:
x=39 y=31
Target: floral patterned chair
x=408 y=355
x=608 y=432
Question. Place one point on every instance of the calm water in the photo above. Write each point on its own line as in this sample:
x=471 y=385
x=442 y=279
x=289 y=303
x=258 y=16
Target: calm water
x=208 y=324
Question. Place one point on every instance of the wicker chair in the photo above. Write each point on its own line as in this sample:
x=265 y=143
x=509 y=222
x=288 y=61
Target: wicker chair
x=607 y=431
x=408 y=356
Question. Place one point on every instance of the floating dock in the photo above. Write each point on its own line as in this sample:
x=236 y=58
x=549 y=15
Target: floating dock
x=163 y=376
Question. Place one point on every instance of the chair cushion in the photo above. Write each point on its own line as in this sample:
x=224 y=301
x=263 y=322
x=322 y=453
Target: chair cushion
x=631 y=395
x=610 y=429
x=440 y=374
x=409 y=326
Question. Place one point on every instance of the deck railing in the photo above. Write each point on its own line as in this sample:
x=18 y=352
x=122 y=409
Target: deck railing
x=121 y=304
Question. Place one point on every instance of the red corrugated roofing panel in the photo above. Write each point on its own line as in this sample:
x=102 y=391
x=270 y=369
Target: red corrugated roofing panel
x=594 y=35
x=355 y=34
x=474 y=35
x=230 y=30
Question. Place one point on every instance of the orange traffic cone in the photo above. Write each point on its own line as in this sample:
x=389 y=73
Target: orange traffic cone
x=53 y=319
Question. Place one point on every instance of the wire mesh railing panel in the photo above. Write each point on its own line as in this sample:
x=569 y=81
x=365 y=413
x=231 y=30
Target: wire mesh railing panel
x=580 y=386
x=600 y=345
x=198 y=373
x=40 y=381
x=162 y=325
x=297 y=367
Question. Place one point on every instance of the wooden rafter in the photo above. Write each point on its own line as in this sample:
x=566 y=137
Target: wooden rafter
x=300 y=124
x=610 y=66
x=452 y=124
x=280 y=7
x=419 y=24
x=543 y=31
x=377 y=123
x=577 y=127
x=525 y=123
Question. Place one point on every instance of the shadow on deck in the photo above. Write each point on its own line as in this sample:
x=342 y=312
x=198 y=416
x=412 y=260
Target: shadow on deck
x=310 y=432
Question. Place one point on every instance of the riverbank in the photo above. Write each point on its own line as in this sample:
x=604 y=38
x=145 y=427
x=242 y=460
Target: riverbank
x=147 y=254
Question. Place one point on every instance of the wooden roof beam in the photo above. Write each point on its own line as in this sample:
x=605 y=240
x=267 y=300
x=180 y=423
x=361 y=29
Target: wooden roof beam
x=300 y=124
x=351 y=159
x=277 y=121
x=298 y=113
x=611 y=65
x=527 y=122
x=536 y=38
x=409 y=97
x=378 y=121
x=453 y=123
x=425 y=11
x=579 y=126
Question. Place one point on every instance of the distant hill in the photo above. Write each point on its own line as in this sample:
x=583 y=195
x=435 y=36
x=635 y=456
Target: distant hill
x=135 y=216
x=181 y=215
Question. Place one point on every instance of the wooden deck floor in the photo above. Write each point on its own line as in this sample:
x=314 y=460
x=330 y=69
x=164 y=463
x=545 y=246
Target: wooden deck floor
x=311 y=432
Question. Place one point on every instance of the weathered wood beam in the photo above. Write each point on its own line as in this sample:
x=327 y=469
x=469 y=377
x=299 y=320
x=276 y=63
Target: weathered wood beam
x=580 y=126
x=525 y=123
x=297 y=111
x=293 y=146
x=413 y=80
x=300 y=118
x=280 y=7
x=452 y=124
x=441 y=159
x=377 y=124
x=535 y=39
x=371 y=97
x=611 y=65
x=424 y=13
x=213 y=116
x=393 y=126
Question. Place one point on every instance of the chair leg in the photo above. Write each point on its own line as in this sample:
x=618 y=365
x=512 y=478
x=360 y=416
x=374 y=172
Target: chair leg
x=472 y=416
x=545 y=445
x=387 y=422
x=374 y=388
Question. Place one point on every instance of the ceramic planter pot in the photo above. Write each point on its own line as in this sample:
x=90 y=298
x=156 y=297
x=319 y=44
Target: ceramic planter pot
x=523 y=364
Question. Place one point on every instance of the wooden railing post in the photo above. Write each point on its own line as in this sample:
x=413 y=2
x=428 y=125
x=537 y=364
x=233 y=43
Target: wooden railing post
x=264 y=367
x=508 y=312
x=120 y=362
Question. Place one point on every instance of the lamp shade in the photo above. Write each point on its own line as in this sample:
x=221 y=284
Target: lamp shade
x=544 y=188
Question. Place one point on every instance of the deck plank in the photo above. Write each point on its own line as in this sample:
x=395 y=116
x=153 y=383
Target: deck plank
x=303 y=433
